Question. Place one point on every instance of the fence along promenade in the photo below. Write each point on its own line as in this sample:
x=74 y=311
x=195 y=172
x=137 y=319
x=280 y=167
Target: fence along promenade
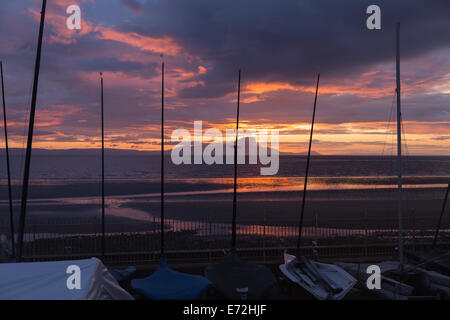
x=190 y=241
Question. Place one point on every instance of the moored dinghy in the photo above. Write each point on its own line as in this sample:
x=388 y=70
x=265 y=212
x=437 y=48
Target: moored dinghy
x=390 y=288
x=321 y=280
x=435 y=259
x=165 y=283
x=233 y=277
x=239 y=280
x=401 y=281
x=19 y=281
x=168 y=284
x=436 y=283
x=414 y=283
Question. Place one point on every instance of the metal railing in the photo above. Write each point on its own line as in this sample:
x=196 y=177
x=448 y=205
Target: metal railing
x=190 y=241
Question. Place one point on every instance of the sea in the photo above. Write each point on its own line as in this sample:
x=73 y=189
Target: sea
x=65 y=184
x=326 y=173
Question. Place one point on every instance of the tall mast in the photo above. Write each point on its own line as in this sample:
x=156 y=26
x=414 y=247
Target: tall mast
x=399 y=152
x=162 y=160
x=26 y=173
x=441 y=215
x=103 y=169
x=233 y=233
x=300 y=226
x=11 y=214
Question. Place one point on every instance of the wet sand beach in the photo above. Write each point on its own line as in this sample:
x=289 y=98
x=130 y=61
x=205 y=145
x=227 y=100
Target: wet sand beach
x=376 y=208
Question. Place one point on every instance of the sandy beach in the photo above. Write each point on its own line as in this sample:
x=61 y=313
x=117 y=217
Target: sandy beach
x=376 y=208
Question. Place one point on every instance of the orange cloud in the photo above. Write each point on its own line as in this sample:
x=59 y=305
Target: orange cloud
x=54 y=115
x=345 y=138
x=164 y=45
x=371 y=85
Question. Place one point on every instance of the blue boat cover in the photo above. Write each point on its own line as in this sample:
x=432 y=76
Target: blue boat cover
x=121 y=274
x=168 y=284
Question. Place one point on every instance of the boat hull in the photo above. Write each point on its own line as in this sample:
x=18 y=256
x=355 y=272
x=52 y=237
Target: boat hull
x=321 y=280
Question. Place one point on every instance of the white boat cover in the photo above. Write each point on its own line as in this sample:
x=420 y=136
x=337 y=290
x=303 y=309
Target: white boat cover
x=340 y=279
x=49 y=281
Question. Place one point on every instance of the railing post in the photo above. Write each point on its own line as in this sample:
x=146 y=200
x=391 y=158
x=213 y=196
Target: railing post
x=366 y=233
x=94 y=234
x=264 y=237
x=209 y=237
x=413 y=225
x=34 y=240
x=316 y=231
x=148 y=235
x=1 y=233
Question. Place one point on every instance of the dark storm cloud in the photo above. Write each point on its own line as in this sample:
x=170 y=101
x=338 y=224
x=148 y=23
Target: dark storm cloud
x=272 y=41
x=62 y=67
x=112 y=64
x=442 y=138
x=288 y=40
x=133 y=5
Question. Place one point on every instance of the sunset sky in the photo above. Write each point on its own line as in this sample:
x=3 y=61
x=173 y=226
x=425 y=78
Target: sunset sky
x=280 y=45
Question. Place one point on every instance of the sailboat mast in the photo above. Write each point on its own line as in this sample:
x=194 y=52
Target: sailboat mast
x=233 y=233
x=103 y=170
x=300 y=226
x=441 y=215
x=11 y=213
x=399 y=151
x=162 y=160
x=26 y=174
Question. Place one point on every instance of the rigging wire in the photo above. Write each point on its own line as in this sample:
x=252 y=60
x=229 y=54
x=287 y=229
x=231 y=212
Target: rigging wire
x=388 y=154
x=25 y=120
x=405 y=143
x=388 y=124
x=407 y=194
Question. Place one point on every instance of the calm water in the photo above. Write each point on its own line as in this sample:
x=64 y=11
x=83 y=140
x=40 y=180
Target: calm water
x=142 y=172
x=69 y=186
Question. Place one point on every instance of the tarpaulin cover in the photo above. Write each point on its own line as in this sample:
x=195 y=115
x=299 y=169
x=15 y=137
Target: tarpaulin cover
x=48 y=281
x=237 y=279
x=168 y=284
